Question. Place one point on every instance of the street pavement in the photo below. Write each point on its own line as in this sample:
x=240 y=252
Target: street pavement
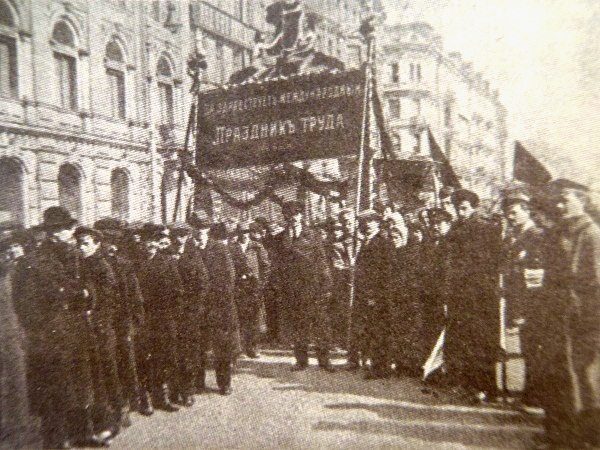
x=274 y=408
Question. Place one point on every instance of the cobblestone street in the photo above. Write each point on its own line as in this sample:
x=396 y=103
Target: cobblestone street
x=272 y=407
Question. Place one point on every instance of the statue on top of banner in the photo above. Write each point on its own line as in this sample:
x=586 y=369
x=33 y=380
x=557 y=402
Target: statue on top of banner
x=291 y=51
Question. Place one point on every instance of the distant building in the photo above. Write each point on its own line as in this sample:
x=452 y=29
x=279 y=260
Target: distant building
x=423 y=87
x=94 y=96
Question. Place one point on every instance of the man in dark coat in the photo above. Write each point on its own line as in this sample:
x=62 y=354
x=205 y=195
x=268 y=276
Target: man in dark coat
x=578 y=244
x=162 y=292
x=524 y=251
x=17 y=426
x=129 y=313
x=52 y=301
x=192 y=325
x=100 y=281
x=371 y=310
x=222 y=314
x=305 y=287
x=472 y=334
x=252 y=267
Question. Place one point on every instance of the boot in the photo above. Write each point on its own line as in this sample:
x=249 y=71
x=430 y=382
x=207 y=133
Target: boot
x=145 y=404
x=164 y=402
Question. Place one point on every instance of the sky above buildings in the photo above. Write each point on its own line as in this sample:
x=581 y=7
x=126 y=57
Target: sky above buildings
x=543 y=56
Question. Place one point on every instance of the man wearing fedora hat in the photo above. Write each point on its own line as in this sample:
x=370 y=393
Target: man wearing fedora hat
x=55 y=300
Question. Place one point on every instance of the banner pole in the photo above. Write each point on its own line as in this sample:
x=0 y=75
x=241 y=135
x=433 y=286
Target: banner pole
x=368 y=31
x=188 y=133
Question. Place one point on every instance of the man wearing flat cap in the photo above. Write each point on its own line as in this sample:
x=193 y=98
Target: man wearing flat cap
x=129 y=311
x=162 y=291
x=252 y=267
x=53 y=300
x=194 y=277
x=573 y=412
x=523 y=258
x=472 y=333
x=305 y=287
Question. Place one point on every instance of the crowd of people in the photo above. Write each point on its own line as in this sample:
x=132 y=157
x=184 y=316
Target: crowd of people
x=114 y=318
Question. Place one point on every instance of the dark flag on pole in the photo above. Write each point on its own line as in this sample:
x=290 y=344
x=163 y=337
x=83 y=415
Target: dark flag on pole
x=447 y=175
x=528 y=169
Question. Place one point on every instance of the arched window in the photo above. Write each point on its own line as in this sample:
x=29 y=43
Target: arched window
x=8 y=53
x=12 y=201
x=119 y=187
x=69 y=189
x=65 y=63
x=115 y=73
x=165 y=89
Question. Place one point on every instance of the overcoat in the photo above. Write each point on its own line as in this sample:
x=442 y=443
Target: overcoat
x=51 y=306
x=222 y=313
x=16 y=424
x=580 y=242
x=305 y=280
x=472 y=335
x=371 y=310
x=406 y=308
x=162 y=292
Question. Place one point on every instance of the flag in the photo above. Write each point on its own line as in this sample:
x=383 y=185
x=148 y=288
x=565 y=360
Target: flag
x=436 y=357
x=447 y=175
x=528 y=169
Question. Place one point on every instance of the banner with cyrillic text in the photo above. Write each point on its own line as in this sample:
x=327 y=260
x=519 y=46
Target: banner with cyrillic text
x=304 y=117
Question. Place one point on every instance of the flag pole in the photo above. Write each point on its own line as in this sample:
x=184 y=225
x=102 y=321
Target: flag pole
x=367 y=29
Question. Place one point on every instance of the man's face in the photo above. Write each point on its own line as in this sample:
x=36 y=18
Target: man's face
x=202 y=237
x=64 y=235
x=295 y=219
x=517 y=215
x=424 y=218
x=257 y=235
x=164 y=243
x=347 y=221
x=398 y=237
x=87 y=245
x=244 y=238
x=181 y=239
x=14 y=251
x=570 y=205
x=152 y=246
x=371 y=227
x=441 y=227
x=448 y=206
x=465 y=210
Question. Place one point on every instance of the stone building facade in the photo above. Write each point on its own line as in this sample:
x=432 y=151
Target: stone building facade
x=423 y=87
x=94 y=96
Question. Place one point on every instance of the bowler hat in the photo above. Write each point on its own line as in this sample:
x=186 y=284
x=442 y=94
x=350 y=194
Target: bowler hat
x=462 y=195
x=109 y=223
x=292 y=208
x=58 y=217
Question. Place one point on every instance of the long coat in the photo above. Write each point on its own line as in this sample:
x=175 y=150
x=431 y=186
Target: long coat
x=304 y=280
x=371 y=310
x=51 y=307
x=222 y=313
x=162 y=292
x=580 y=243
x=15 y=422
x=472 y=335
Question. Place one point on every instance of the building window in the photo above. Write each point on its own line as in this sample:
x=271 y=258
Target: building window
x=330 y=47
x=69 y=189
x=447 y=115
x=165 y=90
x=155 y=11
x=448 y=147
x=12 y=201
x=395 y=72
x=115 y=73
x=66 y=75
x=6 y=15
x=394 y=107
x=239 y=9
x=8 y=67
x=396 y=142
x=418 y=72
x=220 y=56
x=65 y=65
x=412 y=72
x=119 y=187
x=239 y=59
